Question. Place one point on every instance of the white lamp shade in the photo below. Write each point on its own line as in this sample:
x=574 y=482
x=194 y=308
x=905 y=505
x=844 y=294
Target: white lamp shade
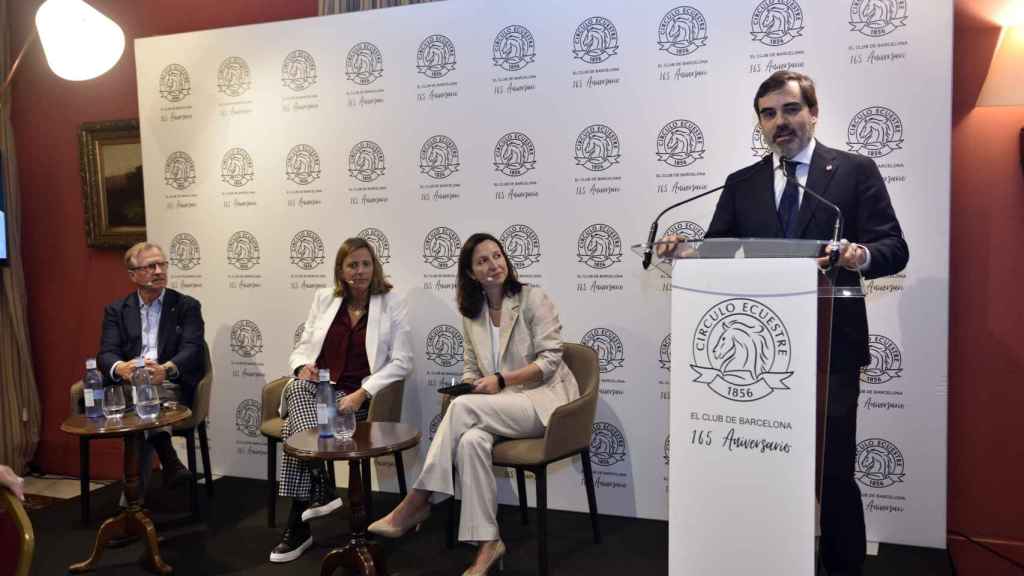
x=1004 y=85
x=80 y=43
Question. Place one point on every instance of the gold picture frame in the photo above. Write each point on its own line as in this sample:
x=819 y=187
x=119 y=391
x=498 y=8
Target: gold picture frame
x=110 y=155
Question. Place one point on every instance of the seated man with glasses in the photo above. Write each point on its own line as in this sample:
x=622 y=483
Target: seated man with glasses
x=165 y=328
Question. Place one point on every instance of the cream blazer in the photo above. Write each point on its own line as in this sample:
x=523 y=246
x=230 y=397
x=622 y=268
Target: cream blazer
x=388 y=344
x=530 y=332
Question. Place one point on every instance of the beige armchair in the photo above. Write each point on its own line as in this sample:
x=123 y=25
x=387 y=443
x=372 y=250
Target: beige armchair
x=568 y=434
x=386 y=406
x=186 y=428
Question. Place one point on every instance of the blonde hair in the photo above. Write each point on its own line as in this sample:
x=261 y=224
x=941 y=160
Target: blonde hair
x=378 y=285
x=133 y=252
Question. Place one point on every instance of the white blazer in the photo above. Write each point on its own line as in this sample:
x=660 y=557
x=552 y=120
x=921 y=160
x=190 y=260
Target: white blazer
x=388 y=344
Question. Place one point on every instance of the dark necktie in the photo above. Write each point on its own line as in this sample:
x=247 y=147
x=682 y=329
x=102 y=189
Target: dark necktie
x=790 y=202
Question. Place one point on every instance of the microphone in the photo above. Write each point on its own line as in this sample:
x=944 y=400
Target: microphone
x=654 y=225
x=833 y=256
x=490 y=278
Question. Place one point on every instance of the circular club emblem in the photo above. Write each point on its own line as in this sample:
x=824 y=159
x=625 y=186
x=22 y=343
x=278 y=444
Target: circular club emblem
x=233 y=76
x=174 y=83
x=298 y=71
x=441 y=248
x=876 y=18
x=741 y=350
x=247 y=417
x=364 y=64
x=777 y=22
x=757 y=143
x=686 y=229
x=879 y=463
x=439 y=157
x=680 y=143
x=297 y=337
x=179 y=171
x=595 y=40
x=366 y=161
x=184 y=251
x=886 y=361
x=434 y=423
x=522 y=245
x=302 y=165
x=236 y=167
x=607 y=445
x=599 y=246
x=513 y=48
x=608 y=347
x=875 y=131
x=243 y=250
x=514 y=154
x=668 y=452
x=444 y=346
x=665 y=352
x=246 y=340
x=597 y=148
x=436 y=56
x=307 y=250
x=682 y=31
x=380 y=243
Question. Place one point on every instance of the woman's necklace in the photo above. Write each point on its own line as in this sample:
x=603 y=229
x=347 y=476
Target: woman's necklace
x=356 y=311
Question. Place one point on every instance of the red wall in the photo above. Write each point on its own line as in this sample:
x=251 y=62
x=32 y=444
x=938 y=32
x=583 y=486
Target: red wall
x=69 y=283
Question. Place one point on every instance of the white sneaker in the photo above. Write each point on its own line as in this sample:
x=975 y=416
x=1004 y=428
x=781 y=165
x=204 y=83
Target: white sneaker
x=321 y=509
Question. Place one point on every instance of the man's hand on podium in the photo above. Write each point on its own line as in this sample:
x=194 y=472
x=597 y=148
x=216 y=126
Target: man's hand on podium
x=852 y=256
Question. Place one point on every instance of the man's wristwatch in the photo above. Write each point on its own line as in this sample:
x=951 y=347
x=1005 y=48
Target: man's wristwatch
x=171 y=369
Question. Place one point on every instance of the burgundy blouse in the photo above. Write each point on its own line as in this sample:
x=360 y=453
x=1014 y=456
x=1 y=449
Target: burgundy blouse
x=344 y=351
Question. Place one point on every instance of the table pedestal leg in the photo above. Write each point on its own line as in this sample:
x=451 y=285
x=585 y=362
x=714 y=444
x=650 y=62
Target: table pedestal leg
x=358 y=556
x=133 y=520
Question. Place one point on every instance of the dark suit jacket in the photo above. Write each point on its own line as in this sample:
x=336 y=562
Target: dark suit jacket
x=179 y=337
x=747 y=209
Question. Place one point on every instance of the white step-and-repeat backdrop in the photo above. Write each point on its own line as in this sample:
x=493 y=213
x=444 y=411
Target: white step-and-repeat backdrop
x=561 y=128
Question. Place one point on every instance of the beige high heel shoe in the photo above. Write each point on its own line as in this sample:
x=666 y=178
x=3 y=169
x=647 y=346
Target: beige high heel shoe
x=387 y=529
x=498 y=557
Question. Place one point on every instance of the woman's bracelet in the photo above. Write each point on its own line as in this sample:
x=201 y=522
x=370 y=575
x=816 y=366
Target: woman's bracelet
x=501 y=380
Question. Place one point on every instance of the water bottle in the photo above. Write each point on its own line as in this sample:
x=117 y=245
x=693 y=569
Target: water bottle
x=93 y=390
x=144 y=394
x=325 y=409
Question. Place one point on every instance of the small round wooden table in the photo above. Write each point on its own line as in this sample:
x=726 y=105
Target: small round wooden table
x=371 y=439
x=133 y=520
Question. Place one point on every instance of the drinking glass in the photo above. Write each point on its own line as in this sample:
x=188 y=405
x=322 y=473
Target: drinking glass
x=344 y=422
x=113 y=401
x=147 y=401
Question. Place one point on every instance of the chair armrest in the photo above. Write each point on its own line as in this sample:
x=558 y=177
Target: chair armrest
x=77 y=398
x=26 y=536
x=570 y=427
x=386 y=406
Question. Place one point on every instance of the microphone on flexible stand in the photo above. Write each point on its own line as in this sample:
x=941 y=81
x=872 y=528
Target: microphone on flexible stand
x=654 y=225
x=837 y=227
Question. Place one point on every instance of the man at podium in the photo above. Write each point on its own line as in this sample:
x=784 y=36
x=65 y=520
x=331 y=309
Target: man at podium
x=775 y=198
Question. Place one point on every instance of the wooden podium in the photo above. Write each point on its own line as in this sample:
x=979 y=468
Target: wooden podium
x=751 y=322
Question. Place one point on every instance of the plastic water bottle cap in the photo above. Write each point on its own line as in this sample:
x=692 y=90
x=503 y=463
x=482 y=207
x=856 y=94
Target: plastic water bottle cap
x=90 y=364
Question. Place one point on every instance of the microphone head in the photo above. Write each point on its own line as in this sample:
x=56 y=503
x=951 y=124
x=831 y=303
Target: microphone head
x=490 y=278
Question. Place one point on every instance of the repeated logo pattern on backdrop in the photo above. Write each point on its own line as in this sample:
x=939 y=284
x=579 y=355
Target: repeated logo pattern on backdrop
x=561 y=128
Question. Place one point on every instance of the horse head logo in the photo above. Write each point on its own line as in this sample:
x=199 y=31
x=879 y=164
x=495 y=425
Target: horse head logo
x=743 y=348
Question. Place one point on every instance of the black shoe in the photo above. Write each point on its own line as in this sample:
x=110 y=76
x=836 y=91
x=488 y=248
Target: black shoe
x=296 y=540
x=324 y=499
x=176 y=474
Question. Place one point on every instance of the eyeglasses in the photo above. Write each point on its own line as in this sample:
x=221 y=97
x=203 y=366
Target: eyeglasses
x=151 y=267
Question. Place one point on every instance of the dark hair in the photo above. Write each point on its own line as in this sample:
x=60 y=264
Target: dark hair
x=778 y=81
x=378 y=285
x=469 y=292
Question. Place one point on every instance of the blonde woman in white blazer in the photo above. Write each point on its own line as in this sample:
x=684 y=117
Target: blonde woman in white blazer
x=513 y=358
x=358 y=330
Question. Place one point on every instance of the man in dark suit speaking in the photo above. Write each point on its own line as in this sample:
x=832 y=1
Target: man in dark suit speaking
x=165 y=328
x=760 y=202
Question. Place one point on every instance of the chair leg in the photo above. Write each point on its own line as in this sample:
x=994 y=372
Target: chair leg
x=193 y=488
x=272 y=480
x=204 y=451
x=541 y=484
x=330 y=474
x=521 y=483
x=364 y=469
x=83 y=459
x=588 y=477
x=400 y=472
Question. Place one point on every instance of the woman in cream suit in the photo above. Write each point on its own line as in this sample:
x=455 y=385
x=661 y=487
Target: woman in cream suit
x=513 y=358
x=357 y=330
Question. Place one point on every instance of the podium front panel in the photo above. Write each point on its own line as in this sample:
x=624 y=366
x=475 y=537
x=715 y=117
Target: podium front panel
x=741 y=487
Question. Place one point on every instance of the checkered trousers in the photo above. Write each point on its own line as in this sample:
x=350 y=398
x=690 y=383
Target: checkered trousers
x=295 y=474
